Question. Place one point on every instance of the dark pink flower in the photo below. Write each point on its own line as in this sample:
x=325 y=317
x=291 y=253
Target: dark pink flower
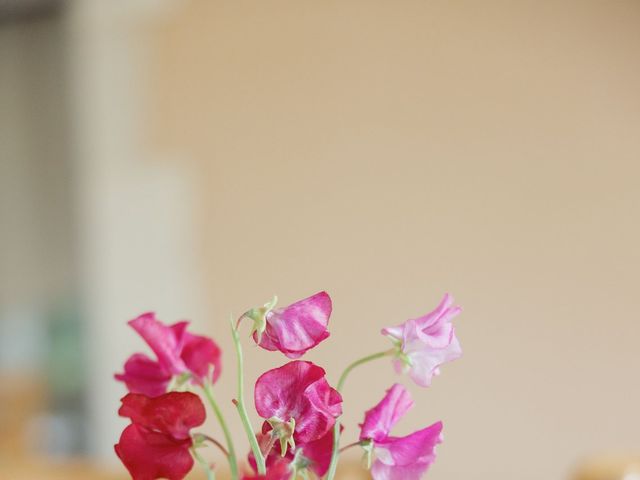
x=177 y=351
x=278 y=469
x=298 y=392
x=426 y=342
x=317 y=454
x=314 y=455
x=156 y=443
x=398 y=458
x=297 y=328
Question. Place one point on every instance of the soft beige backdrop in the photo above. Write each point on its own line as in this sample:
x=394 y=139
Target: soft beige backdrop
x=389 y=151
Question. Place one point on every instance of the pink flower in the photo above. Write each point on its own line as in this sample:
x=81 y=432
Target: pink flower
x=314 y=455
x=426 y=342
x=298 y=393
x=156 y=443
x=297 y=328
x=398 y=458
x=177 y=352
x=278 y=469
x=317 y=454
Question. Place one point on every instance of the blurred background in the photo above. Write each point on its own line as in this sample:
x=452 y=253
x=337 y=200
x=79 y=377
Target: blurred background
x=194 y=157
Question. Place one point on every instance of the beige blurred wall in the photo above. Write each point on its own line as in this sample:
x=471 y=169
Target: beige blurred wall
x=391 y=151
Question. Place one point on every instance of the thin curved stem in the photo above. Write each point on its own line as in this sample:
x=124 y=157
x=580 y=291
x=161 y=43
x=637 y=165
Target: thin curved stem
x=242 y=410
x=347 y=447
x=336 y=429
x=231 y=455
x=203 y=463
x=216 y=443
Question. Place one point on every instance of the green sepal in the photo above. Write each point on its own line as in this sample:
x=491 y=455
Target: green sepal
x=367 y=446
x=198 y=440
x=284 y=432
x=259 y=317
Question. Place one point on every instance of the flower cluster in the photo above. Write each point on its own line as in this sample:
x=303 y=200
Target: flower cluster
x=300 y=410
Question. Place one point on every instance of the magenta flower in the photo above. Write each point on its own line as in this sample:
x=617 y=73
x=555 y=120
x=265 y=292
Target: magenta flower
x=156 y=444
x=278 y=469
x=314 y=456
x=177 y=351
x=298 y=395
x=426 y=342
x=397 y=458
x=294 y=329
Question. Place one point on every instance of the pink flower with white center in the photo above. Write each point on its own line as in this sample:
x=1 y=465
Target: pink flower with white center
x=177 y=351
x=294 y=329
x=297 y=397
x=426 y=342
x=397 y=458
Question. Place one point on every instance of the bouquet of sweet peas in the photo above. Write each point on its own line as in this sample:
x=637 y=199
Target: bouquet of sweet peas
x=301 y=432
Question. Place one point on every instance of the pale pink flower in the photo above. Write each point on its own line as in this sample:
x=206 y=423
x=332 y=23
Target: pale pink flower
x=426 y=342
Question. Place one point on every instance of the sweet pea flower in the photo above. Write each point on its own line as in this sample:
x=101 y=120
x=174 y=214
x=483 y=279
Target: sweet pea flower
x=298 y=402
x=178 y=352
x=294 y=329
x=426 y=342
x=314 y=456
x=397 y=458
x=156 y=443
x=278 y=469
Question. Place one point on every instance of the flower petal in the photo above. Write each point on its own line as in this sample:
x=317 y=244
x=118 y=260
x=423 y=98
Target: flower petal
x=199 y=354
x=144 y=375
x=150 y=455
x=300 y=391
x=173 y=413
x=426 y=342
x=379 y=420
x=165 y=341
x=382 y=471
x=416 y=447
x=299 y=327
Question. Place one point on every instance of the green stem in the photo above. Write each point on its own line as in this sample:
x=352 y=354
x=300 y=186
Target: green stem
x=203 y=463
x=336 y=429
x=242 y=410
x=233 y=461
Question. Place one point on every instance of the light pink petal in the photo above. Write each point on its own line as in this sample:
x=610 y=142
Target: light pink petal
x=379 y=420
x=165 y=341
x=299 y=327
x=427 y=342
x=393 y=332
x=436 y=324
x=143 y=375
x=426 y=358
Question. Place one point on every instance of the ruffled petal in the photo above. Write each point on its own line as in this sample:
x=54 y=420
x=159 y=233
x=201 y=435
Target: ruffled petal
x=300 y=391
x=165 y=341
x=379 y=420
x=150 y=455
x=199 y=354
x=295 y=329
x=173 y=414
x=144 y=375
